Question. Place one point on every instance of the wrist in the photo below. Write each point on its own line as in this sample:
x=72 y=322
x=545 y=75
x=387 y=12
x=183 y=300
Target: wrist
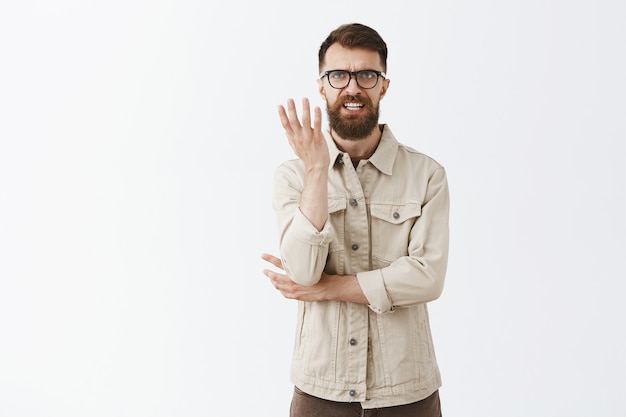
x=342 y=288
x=317 y=170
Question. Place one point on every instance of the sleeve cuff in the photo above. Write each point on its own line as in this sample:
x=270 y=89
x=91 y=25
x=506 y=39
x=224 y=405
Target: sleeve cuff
x=373 y=286
x=304 y=231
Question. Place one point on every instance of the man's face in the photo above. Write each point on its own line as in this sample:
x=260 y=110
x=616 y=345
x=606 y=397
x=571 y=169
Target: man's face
x=352 y=110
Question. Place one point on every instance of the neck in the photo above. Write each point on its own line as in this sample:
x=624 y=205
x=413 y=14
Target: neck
x=359 y=149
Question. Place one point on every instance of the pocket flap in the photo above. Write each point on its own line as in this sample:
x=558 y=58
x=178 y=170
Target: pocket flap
x=336 y=204
x=395 y=213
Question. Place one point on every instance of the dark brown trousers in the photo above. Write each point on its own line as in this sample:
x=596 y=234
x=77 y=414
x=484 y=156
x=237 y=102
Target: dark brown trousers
x=305 y=405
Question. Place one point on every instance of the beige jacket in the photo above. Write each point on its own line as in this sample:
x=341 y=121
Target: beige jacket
x=388 y=224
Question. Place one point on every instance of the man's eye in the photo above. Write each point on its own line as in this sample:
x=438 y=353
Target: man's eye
x=338 y=75
x=367 y=75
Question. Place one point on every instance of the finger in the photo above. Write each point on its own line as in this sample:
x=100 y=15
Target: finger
x=284 y=120
x=317 y=119
x=273 y=260
x=270 y=274
x=306 y=113
x=273 y=276
x=279 y=281
x=293 y=114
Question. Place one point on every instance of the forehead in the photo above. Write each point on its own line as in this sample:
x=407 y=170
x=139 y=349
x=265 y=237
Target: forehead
x=353 y=59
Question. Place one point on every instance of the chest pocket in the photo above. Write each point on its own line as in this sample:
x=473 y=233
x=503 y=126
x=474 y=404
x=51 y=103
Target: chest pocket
x=391 y=225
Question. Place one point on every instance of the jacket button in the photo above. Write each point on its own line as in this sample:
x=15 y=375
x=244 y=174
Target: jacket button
x=352 y=342
x=352 y=393
x=396 y=215
x=355 y=246
x=353 y=202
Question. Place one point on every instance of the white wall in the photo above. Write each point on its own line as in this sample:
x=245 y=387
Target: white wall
x=138 y=142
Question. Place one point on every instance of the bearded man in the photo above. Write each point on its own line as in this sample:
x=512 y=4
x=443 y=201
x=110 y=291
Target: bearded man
x=363 y=228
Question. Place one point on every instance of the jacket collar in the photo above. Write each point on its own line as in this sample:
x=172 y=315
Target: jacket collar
x=383 y=158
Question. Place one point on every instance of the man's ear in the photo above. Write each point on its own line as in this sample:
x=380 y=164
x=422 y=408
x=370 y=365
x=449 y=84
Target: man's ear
x=383 y=90
x=321 y=90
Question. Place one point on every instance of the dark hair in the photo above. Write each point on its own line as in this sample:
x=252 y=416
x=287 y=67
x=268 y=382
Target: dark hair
x=355 y=35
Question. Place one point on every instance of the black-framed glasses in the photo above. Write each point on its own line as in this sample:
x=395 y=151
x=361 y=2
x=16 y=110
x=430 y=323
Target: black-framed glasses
x=341 y=78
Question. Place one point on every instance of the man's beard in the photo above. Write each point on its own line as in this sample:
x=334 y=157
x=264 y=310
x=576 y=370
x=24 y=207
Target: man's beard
x=353 y=127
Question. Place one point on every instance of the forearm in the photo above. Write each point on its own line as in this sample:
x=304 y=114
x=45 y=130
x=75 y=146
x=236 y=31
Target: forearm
x=343 y=288
x=328 y=288
x=314 y=199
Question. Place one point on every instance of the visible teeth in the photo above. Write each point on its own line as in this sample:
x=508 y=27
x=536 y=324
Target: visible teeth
x=353 y=105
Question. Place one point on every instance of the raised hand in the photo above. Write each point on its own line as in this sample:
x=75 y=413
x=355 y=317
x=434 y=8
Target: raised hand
x=307 y=142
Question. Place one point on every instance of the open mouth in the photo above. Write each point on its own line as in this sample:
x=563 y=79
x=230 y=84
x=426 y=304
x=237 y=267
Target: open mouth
x=353 y=106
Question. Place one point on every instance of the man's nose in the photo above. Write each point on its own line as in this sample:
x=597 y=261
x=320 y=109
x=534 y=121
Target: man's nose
x=352 y=86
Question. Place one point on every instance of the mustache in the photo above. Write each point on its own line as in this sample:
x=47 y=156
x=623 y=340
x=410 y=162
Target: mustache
x=349 y=98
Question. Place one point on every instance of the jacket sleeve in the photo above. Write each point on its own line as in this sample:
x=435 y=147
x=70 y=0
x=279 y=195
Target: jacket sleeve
x=303 y=249
x=419 y=277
